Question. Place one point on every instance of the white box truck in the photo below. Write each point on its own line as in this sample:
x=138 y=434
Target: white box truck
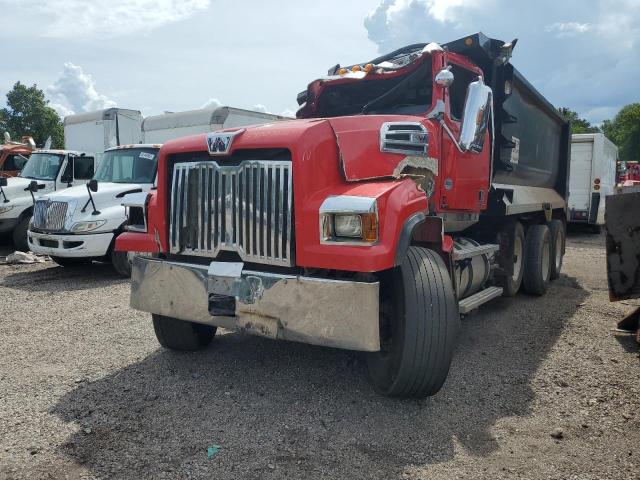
x=102 y=129
x=160 y=128
x=592 y=176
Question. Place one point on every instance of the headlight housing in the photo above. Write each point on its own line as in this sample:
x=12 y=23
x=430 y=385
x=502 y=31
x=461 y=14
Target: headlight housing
x=349 y=219
x=6 y=208
x=80 y=227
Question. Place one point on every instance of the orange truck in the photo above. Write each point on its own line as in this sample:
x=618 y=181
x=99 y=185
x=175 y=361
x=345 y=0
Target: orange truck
x=14 y=155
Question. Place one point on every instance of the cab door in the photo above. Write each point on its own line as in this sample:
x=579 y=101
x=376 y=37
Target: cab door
x=465 y=179
x=77 y=171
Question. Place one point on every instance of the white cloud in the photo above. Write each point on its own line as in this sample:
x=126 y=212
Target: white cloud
x=569 y=29
x=567 y=49
x=288 y=113
x=81 y=19
x=212 y=103
x=258 y=107
x=75 y=91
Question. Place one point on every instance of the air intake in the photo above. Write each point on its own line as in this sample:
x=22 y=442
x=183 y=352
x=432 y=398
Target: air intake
x=407 y=138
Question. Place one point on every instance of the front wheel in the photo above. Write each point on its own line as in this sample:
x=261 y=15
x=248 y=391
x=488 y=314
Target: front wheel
x=121 y=263
x=20 y=235
x=182 y=335
x=418 y=327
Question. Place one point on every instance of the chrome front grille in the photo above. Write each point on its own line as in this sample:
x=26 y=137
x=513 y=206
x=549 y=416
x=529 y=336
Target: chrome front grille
x=48 y=215
x=244 y=208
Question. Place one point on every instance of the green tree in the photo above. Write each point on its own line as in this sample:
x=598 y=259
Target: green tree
x=578 y=125
x=29 y=113
x=624 y=131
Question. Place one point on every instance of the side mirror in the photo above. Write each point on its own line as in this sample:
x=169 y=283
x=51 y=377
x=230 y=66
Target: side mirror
x=445 y=77
x=3 y=182
x=92 y=185
x=34 y=187
x=478 y=108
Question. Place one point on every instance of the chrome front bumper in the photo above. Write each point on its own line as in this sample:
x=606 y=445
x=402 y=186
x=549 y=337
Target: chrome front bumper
x=333 y=313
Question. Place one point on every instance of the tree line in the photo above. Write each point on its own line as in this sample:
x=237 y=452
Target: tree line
x=28 y=113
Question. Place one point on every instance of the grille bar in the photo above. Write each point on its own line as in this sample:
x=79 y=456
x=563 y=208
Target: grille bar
x=49 y=215
x=244 y=209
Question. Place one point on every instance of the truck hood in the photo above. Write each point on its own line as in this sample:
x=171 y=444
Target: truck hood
x=357 y=139
x=15 y=190
x=108 y=194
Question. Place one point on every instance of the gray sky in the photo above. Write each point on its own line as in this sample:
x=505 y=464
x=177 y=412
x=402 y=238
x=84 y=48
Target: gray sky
x=177 y=55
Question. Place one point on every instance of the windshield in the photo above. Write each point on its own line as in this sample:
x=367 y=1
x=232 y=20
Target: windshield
x=43 y=166
x=408 y=94
x=135 y=165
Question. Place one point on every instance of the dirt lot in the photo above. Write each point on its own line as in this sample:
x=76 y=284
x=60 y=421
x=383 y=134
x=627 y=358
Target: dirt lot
x=86 y=392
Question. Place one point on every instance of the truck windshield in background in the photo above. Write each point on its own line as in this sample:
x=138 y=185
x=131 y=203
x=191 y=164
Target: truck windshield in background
x=135 y=165
x=408 y=94
x=42 y=166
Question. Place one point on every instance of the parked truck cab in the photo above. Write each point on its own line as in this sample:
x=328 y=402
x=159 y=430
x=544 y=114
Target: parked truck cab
x=79 y=225
x=412 y=189
x=50 y=171
x=14 y=155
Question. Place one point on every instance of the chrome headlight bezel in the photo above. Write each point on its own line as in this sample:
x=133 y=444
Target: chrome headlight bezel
x=365 y=208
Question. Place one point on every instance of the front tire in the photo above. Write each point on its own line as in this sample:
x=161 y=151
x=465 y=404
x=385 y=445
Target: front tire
x=419 y=325
x=121 y=263
x=19 y=235
x=182 y=335
x=537 y=260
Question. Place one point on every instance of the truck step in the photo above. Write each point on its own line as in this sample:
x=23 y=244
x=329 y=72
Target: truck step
x=468 y=252
x=477 y=299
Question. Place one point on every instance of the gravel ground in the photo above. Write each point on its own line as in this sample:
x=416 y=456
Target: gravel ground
x=86 y=392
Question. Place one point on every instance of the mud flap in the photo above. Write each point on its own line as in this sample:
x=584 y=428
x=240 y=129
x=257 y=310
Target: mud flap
x=623 y=245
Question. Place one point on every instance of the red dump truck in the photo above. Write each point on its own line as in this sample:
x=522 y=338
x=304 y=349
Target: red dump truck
x=14 y=155
x=410 y=190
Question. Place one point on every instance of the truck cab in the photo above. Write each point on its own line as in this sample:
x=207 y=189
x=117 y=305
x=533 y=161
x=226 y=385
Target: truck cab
x=78 y=225
x=47 y=170
x=411 y=189
x=14 y=155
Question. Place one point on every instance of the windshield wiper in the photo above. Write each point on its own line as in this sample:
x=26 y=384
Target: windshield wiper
x=419 y=71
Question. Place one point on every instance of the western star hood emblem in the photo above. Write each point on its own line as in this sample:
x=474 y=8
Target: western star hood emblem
x=219 y=143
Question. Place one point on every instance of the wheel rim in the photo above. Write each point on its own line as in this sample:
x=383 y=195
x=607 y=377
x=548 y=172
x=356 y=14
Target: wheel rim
x=558 y=252
x=546 y=259
x=517 y=258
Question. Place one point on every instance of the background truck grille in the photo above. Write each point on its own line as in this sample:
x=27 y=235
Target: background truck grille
x=244 y=208
x=49 y=215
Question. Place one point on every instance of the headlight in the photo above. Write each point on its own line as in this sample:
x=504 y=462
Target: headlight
x=347 y=225
x=349 y=219
x=5 y=209
x=87 y=226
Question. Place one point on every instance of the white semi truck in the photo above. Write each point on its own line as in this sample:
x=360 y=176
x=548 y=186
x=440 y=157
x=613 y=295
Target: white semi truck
x=80 y=224
x=592 y=177
x=46 y=171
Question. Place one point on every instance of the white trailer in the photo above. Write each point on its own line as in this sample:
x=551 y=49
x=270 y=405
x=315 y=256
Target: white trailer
x=160 y=128
x=97 y=131
x=592 y=176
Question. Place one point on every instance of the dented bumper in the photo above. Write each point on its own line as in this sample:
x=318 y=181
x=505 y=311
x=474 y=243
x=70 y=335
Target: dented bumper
x=319 y=311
